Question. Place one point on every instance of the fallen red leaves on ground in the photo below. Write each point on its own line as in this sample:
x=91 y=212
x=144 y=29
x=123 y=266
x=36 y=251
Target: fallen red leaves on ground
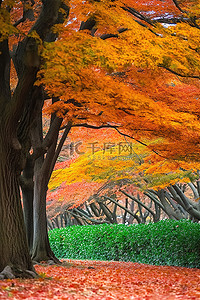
x=105 y=280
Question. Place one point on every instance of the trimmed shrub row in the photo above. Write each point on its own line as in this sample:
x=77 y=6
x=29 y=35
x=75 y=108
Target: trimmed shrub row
x=168 y=242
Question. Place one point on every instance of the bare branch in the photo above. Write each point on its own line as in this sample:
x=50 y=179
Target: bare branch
x=138 y=15
x=86 y=125
x=178 y=6
x=124 y=208
x=142 y=143
x=179 y=74
x=116 y=128
x=138 y=201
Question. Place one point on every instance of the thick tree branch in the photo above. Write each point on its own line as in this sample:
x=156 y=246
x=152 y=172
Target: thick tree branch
x=47 y=18
x=55 y=125
x=59 y=147
x=194 y=190
x=88 y=25
x=44 y=146
x=166 y=201
x=154 y=199
x=87 y=219
x=176 y=197
x=189 y=206
x=27 y=13
x=28 y=61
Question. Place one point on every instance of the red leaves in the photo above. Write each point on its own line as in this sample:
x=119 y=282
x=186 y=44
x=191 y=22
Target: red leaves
x=106 y=280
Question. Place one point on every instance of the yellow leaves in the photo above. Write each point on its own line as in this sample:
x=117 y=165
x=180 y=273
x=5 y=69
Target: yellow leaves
x=114 y=161
x=65 y=61
x=108 y=15
x=182 y=44
x=6 y=27
x=192 y=7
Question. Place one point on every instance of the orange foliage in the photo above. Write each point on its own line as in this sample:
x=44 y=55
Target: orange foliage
x=96 y=280
x=68 y=196
x=124 y=80
x=84 y=70
x=149 y=102
x=105 y=155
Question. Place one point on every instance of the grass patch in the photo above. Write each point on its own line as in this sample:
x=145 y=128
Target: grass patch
x=168 y=242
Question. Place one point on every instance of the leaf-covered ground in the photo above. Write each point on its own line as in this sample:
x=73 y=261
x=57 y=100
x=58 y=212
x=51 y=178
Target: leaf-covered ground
x=106 y=281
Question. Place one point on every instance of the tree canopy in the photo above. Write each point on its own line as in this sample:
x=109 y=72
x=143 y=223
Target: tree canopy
x=155 y=68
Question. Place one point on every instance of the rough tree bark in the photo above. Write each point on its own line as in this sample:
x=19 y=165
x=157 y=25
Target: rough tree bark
x=14 y=254
x=39 y=172
x=15 y=260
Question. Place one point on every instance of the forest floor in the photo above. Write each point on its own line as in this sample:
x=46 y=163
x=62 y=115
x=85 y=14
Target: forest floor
x=94 y=280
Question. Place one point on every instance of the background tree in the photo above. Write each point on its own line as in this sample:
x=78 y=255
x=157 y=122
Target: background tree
x=117 y=176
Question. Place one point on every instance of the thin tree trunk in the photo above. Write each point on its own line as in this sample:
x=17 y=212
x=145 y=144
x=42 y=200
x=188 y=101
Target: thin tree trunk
x=41 y=250
x=27 y=193
x=27 y=185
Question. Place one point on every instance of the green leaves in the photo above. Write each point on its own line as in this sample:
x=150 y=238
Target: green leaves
x=164 y=243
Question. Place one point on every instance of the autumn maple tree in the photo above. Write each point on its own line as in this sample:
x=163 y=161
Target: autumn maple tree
x=85 y=57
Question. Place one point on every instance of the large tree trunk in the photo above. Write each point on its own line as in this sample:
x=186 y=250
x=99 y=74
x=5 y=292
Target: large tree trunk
x=15 y=260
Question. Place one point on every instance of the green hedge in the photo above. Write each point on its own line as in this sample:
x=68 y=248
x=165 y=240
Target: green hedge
x=167 y=242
